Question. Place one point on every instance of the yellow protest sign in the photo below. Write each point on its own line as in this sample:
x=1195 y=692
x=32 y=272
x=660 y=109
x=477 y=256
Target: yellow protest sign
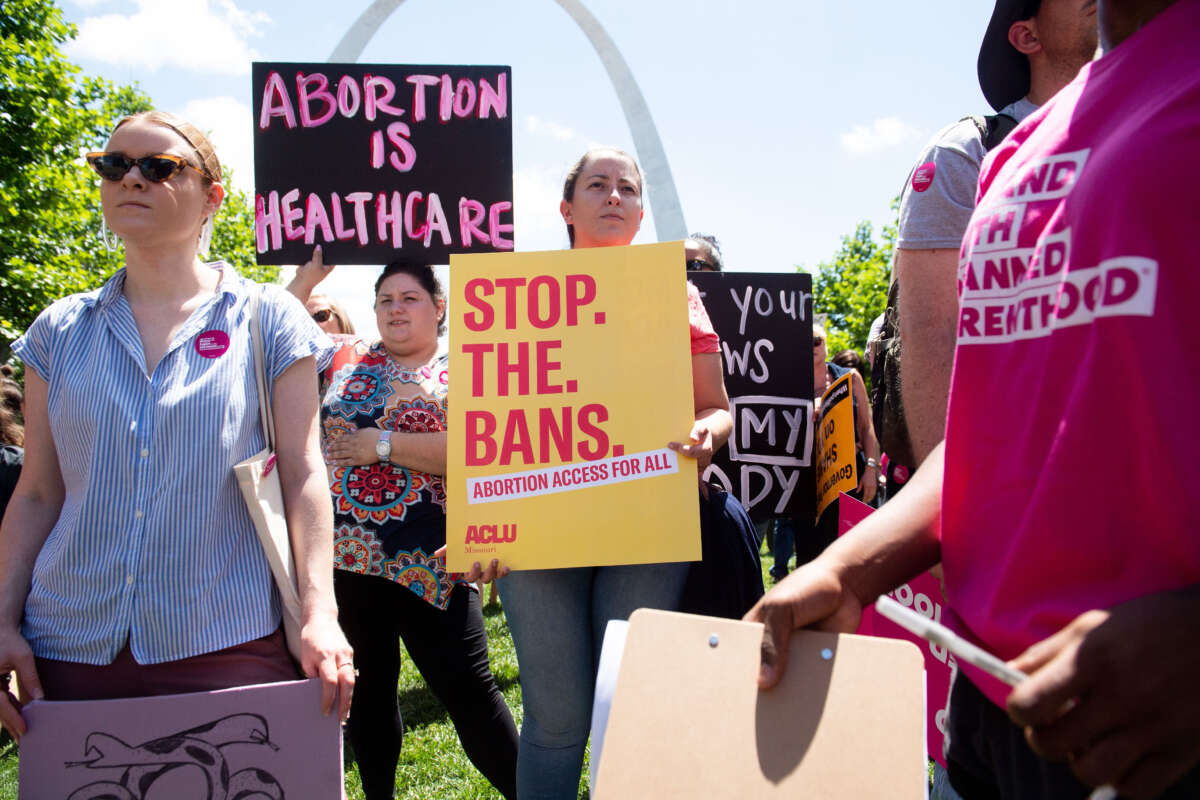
x=569 y=373
x=836 y=470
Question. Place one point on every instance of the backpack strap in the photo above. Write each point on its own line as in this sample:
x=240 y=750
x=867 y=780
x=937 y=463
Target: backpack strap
x=992 y=128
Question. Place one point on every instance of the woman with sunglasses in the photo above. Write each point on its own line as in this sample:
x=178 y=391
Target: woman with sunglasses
x=558 y=616
x=329 y=316
x=383 y=413
x=130 y=564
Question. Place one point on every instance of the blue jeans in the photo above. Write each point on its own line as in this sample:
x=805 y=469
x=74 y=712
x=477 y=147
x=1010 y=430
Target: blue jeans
x=557 y=619
x=785 y=546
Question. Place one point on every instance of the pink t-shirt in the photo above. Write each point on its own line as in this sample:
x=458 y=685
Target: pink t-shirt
x=1070 y=479
x=704 y=338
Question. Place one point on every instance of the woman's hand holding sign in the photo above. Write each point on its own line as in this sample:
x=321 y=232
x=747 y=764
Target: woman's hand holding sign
x=16 y=657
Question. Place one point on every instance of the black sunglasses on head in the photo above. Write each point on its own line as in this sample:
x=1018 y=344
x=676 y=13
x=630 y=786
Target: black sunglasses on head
x=155 y=168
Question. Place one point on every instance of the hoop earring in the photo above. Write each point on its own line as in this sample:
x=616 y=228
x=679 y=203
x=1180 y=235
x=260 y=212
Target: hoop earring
x=206 y=234
x=104 y=237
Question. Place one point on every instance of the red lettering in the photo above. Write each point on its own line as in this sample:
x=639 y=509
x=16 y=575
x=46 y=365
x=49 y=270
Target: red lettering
x=481 y=430
x=474 y=291
x=476 y=352
x=510 y=286
x=506 y=368
x=581 y=290
x=516 y=439
x=593 y=429
x=552 y=309
x=556 y=432
x=545 y=366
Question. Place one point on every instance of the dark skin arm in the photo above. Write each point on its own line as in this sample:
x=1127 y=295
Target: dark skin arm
x=1116 y=693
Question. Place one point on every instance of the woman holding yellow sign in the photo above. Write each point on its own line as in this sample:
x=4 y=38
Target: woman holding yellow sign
x=383 y=419
x=557 y=617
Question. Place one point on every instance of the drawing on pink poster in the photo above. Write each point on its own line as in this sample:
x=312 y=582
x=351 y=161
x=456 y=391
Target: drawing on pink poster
x=924 y=595
x=268 y=741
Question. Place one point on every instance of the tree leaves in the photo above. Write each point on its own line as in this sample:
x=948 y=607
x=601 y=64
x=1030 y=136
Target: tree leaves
x=851 y=289
x=50 y=216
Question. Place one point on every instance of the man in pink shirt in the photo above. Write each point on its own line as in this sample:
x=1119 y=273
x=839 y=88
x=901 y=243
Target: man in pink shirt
x=1077 y=259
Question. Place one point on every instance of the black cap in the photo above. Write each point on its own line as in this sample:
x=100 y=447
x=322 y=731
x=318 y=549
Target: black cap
x=1003 y=71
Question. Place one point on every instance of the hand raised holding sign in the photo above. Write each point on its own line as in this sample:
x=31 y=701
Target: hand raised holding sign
x=309 y=274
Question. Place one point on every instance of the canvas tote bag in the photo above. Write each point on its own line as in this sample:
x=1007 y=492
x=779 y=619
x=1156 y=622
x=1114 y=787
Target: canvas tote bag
x=259 y=482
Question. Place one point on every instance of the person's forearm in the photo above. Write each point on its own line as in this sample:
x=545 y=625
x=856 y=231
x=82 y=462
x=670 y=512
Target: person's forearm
x=424 y=452
x=302 y=479
x=897 y=542
x=310 y=526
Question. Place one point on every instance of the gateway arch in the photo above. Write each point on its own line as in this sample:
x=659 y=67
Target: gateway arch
x=664 y=201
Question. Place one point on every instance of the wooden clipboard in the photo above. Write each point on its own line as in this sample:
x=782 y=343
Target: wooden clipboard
x=688 y=719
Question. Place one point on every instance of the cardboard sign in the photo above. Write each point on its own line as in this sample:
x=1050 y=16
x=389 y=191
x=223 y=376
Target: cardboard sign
x=253 y=741
x=924 y=594
x=379 y=162
x=570 y=373
x=765 y=324
x=688 y=719
x=836 y=470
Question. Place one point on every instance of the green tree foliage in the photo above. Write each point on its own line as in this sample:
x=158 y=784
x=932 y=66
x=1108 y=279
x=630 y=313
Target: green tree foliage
x=50 y=217
x=851 y=289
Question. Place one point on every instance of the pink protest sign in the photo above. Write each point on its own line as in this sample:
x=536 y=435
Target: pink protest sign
x=924 y=595
x=268 y=741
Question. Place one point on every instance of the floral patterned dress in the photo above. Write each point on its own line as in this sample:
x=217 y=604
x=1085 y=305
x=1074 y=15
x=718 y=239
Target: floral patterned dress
x=388 y=520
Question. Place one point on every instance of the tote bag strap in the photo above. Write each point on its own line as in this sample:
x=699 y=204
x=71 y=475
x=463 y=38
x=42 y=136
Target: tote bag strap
x=266 y=415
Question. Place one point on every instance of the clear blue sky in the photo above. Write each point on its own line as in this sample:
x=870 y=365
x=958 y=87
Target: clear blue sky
x=785 y=122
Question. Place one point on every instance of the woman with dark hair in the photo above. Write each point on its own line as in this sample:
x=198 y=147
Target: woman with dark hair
x=141 y=398
x=557 y=616
x=12 y=437
x=383 y=415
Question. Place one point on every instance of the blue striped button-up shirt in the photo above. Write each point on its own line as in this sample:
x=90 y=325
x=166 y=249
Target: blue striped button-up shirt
x=154 y=545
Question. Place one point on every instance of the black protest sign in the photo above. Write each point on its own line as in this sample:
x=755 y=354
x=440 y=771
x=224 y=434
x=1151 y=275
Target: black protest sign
x=764 y=320
x=380 y=162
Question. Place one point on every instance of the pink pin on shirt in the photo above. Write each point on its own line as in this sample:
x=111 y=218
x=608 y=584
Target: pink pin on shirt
x=213 y=343
x=923 y=176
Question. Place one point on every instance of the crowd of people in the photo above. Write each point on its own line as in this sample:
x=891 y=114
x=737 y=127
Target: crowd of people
x=140 y=397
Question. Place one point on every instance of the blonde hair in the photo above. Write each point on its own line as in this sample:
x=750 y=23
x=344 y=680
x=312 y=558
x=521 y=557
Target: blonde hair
x=337 y=312
x=196 y=138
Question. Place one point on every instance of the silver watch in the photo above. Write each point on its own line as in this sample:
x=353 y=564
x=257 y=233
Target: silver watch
x=383 y=447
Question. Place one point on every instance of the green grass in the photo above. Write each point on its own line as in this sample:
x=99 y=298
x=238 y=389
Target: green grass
x=432 y=763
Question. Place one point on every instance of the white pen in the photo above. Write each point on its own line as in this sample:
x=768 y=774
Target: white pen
x=942 y=636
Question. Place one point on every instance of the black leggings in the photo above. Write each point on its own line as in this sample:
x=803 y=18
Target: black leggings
x=449 y=648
